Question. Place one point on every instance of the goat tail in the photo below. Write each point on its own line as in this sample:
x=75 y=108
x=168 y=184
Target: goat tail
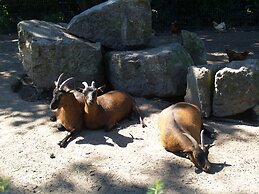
x=137 y=111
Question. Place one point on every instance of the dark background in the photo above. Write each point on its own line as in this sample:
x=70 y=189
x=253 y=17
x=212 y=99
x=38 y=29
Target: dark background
x=191 y=13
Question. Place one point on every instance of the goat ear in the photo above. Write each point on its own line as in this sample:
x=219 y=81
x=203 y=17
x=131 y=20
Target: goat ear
x=93 y=84
x=101 y=88
x=85 y=84
x=206 y=148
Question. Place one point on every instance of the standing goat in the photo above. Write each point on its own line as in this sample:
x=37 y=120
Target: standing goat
x=108 y=109
x=180 y=131
x=70 y=108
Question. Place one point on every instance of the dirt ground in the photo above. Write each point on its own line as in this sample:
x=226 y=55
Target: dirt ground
x=127 y=159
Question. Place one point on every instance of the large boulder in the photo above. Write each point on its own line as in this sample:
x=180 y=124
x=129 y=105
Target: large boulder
x=255 y=112
x=195 y=46
x=236 y=88
x=117 y=24
x=46 y=51
x=157 y=71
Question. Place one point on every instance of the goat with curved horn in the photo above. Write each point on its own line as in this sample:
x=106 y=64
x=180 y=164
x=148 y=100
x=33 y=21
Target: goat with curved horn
x=180 y=131
x=69 y=106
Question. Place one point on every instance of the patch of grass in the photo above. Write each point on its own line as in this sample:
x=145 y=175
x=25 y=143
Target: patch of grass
x=156 y=188
x=4 y=182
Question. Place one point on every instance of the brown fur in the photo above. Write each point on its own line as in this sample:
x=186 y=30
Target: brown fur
x=70 y=108
x=108 y=109
x=176 y=120
x=186 y=115
x=70 y=112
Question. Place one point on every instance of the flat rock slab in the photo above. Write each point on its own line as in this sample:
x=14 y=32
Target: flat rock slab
x=46 y=51
x=117 y=24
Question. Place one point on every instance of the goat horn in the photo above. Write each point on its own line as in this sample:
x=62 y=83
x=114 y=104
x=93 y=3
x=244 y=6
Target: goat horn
x=59 y=78
x=203 y=147
x=64 y=82
x=192 y=139
x=202 y=138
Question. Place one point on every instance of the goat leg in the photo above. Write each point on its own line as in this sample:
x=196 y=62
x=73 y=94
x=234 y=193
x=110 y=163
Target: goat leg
x=110 y=126
x=137 y=111
x=64 y=142
x=60 y=127
x=53 y=118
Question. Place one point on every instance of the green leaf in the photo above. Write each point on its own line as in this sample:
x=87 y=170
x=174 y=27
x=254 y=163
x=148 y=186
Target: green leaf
x=4 y=182
x=156 y=188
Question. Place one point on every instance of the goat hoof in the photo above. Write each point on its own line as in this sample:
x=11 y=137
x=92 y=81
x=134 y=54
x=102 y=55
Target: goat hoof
x=61 y=127
x=62 y=144
x=53 y=118
x=144 y=125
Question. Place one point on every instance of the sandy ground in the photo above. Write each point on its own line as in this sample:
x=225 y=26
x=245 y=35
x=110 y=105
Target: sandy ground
x=127 y=159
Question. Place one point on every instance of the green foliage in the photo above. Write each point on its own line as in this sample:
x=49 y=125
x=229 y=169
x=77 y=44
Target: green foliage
x=14 y=11
x=4 y=15
x=156 y=188
x=4 y=182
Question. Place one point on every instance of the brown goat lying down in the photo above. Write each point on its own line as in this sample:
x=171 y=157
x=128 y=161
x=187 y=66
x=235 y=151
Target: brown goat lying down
x=75 y=110
x=69 y=106
x=108 y=109
x=180 y=131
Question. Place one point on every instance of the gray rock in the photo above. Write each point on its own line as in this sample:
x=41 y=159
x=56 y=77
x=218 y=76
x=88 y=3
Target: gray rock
x=236 y=88
x=255 y=110
x=157 y=72
x=199 y=88
x=117 y=24
x=195 y=46
x=46 y=51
